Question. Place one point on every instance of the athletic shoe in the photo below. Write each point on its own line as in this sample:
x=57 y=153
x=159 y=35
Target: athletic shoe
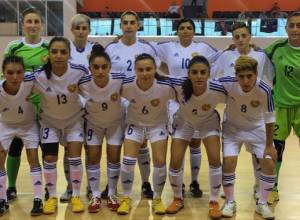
x=264 y=211
x=37 y=208
x=214 y=210
x=273 y=197
x=175 y=206
x=77 y=205
x=50 y=206
x=104 y=194
x=66 y=196
x=158 y=206
x=112 y=203
x=95 y=205
x=195 y=189
x=147 y=191
x=4 y=207
x=229 y=209
x=125 y=206
x=11 y=193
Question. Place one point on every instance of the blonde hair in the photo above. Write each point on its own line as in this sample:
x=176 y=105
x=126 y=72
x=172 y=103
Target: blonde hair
x=245 y=63
x=79 y=19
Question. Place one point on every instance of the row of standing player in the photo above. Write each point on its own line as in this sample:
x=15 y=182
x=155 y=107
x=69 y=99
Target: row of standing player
x=241 y=38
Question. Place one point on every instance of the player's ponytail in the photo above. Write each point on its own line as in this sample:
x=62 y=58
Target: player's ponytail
x=48 y=66
x=98 y=51
x=187 y=86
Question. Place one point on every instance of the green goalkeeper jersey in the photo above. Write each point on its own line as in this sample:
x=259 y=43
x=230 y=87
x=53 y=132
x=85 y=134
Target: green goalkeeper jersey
x=34 y=55
x=286 y=85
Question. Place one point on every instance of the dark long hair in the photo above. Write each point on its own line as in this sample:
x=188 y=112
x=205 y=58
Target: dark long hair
x=98 y=51
x=48 y=67
x=12 y=59
x=187 y=86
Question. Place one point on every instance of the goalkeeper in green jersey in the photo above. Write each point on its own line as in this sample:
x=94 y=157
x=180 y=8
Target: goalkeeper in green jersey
x=34 y=50
x=285 y=55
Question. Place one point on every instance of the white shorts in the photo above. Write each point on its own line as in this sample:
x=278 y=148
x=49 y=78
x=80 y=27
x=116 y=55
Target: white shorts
x=173 y=107
x=28 y=133
x=72 y=133
x=114 y=135
x=185 y=131
x=233 y=139
x=141 y=133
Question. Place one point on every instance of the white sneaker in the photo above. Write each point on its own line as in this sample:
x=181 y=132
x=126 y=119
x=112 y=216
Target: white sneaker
x=66 y=196
x=229 y=209
x=264 y=211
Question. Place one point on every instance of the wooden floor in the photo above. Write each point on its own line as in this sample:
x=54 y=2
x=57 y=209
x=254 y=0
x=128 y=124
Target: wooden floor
x=287 y=208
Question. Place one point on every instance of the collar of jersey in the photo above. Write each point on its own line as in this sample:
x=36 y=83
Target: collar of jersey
x=32 y=45
x=9 y=96
x=251 y=91
x=94 y=85
x=150 y=90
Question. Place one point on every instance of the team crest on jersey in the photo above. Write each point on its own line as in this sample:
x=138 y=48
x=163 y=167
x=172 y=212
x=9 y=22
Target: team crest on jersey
x=255 y=103
x=195 y=54
x=206 y=107
x=155 y=102
x=72 y=88
x=44 y=59
x=114 y=97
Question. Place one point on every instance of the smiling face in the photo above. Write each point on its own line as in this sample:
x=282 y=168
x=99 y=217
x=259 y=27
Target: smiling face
x=246 y=79
x=185 y=32
x=198 y=74
x=32 y=25
x=293 y=30
x=145 y=71
x=14 y=75
x=129 y=25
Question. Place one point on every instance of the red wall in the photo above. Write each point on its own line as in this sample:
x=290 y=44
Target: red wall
x=250 y=5
x=123 y=5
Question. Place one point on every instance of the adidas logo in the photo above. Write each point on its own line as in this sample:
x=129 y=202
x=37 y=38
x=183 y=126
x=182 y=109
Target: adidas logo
x=48 y=89
x=217 y=187
x=93 y=179
x=127 y=181
x=232 y=65
x=38 y=183
x=176 y=55
x=117 y=58
x=76 y=181
x=162 y=133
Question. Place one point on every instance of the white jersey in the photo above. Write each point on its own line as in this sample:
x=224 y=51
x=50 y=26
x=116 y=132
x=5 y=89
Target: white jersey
x=123 y=56
x=103 y=105
x=81 y=56
x=60 y=104
x=224 y=65
x=16 y=109
x=247 y=111
x=147 y=108
x=178 y=57
x=199 y=109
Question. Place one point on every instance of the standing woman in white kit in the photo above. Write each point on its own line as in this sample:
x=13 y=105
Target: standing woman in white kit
x=122 y=54
x=177 y=55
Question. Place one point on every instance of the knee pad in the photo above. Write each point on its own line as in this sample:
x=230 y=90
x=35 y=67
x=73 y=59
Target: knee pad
x=50 y=149
x=16 y=146
x=280 y=146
